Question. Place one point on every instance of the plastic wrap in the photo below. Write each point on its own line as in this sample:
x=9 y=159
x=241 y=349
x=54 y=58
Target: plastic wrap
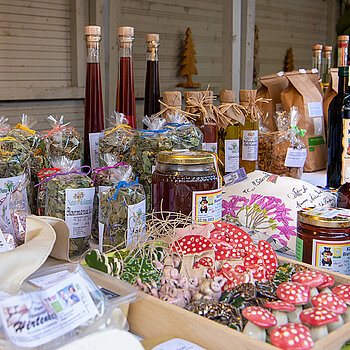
x=7 y=237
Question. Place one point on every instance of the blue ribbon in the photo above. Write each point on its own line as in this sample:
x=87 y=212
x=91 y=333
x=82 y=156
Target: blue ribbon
x=154 y=132
x=177 y=125
x=123 y=184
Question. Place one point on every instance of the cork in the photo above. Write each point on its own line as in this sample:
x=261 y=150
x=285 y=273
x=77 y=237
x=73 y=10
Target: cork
x=227 y=96
x=152 y=37
x=244 y=95
x=92 y=30
x=343 y=38
x=172 y=98
x=317 y=47
x=125 y=31
x=327 y=48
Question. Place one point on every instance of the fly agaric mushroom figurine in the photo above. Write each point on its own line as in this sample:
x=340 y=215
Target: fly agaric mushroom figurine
x=343 y=292
x=280 y=310
x=190 y=247
x=296 y=294
x=328 y=282
x=318 y=318
x=311 y=279
x=292 y=336
x=332 y=303
x=258 y=319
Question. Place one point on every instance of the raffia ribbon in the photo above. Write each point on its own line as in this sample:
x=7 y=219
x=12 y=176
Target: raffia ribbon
x=251 y=104
x=230 y=110
x=172 y=110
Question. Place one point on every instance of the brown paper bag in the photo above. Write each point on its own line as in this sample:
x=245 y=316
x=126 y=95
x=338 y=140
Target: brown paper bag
x=303 y=93
x=331 y=91
x=313 y=75
x=271 y=87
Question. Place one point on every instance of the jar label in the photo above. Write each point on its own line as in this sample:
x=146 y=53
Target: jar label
x=78 y=211
x=299 y=247
x=332 y=255
x=250 y=145
x=231 y=155
x=210 y=147
x=346 y=148
x=206 y=206
x=136 y=221
x=295 y=158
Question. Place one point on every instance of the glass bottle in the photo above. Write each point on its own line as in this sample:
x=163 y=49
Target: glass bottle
x=326 y=65
x=228 y=139
x=343 y=44
x=152 y=95
x=346 y=134
x=248 y=134
x=317 y=58
x=125 y=89
x=94 y=120
x=335 y=130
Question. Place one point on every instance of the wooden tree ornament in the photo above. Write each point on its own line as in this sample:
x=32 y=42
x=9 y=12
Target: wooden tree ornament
x=289 y=61
x=188 y=62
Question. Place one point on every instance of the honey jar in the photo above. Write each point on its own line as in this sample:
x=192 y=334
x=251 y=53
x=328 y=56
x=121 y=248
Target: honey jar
x=323 y=238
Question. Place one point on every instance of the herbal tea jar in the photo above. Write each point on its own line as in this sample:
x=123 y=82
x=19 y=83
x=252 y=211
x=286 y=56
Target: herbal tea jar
x=323 y=238
x=188 y=181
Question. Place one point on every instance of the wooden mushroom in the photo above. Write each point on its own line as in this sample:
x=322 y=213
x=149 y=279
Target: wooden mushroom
x=258 y=320
x=280 y=310
x=325 y=286
x=343 y=292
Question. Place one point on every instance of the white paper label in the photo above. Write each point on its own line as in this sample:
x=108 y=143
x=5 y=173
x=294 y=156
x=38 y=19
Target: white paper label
x=78 y=211
x=101 y=226
x=329 y=213
x=231 y=155
x=250 y=145
x=51 y=279
x=346 y=149
x=94 y=153
x=318 y=126
x=303 y=71
x=295 y=158
x=315 y=109
x=210 y=147
x=314 y=70
x=136 y=221
x=280 y=73
x=177 y=344
x=206 y=206
x=34 y=319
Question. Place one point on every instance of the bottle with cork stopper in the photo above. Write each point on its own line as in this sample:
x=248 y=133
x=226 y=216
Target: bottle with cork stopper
x=152 y=94
x=317 y=58
x=326 y=65
x=94 y=119
x=125 y=87
x=343 y=45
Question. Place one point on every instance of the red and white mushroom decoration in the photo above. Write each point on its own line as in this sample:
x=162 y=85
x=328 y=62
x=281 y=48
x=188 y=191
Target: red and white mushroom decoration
x=325 y=286
x=310 y=278
x=296 y=294
x=292 y=336
x=332 y=303
x=318 y=318
x=258 y=319
x=280 y=310
x=343 y=292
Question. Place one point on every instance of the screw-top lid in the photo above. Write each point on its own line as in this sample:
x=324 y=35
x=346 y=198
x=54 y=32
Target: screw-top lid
x=325 y=217
x=92 y=30
x=152 y=37
x=327 y=48
x=125 y=31
x=317 y=47
x=343 y=38
x=185 y=157
x=343 y=71
x=172 y=98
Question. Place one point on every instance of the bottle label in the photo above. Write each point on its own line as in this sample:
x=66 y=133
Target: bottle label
x=315 y=109
x=332 y=255
x=94 y=138
x=210 y=147
x=295 y=158
x=231 y=155
x=78 y=211
x=346 y=148
x=136 y=221
x=206 y=206
x=236 y=176
x=250 y=145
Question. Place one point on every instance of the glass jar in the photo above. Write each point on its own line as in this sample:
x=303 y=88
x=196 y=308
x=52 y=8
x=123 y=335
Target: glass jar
x=323 y=238
x=185 y=182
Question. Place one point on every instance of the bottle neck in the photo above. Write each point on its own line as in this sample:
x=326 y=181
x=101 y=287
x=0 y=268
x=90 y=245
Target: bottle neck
x=93 y=49
x=342 y=54
x=125 y=49
x=343 y=85
x=152 y=51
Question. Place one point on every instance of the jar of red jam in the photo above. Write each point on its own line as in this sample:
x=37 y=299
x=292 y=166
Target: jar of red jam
x=323 y=238
x=185 y=182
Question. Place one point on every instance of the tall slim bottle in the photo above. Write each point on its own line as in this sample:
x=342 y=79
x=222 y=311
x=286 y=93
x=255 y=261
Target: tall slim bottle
x=326 y=65
x=317 y=58
x=94 y=120
x=152 y=95
x=335 y=130
x=343 y=47
x=125 y=88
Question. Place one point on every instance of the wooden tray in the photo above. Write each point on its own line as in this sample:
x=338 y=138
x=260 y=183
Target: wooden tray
x=150 y=317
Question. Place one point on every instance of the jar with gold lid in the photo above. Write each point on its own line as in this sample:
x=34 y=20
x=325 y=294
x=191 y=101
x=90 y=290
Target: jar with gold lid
x=323 y=238
x=188 y=181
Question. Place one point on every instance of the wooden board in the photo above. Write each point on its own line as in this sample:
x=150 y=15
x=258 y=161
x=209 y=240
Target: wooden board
x=152 y=318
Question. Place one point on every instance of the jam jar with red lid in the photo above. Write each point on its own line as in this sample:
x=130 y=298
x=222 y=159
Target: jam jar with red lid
x=323 y=238
x=188 y=181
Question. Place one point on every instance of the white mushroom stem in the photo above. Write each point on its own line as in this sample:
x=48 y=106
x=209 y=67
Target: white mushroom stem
x=318 y=332
x=255 y=331
x=346 y=315
x=281 y=318
x=335 y=325
x=313 y=292
x=326 y=290
x=293 y=316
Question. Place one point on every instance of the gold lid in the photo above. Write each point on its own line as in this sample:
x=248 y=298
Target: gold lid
x=152 y=37
x=325 y=217
x=185 y=157
x=343 y=38
x=317 y=47
x=92 y=30
x=327 y=48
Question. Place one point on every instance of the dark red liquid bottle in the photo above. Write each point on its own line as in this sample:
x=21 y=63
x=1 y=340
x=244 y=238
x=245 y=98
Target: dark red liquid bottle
x=125 y=88
x=152 y=94
x=94 y=119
